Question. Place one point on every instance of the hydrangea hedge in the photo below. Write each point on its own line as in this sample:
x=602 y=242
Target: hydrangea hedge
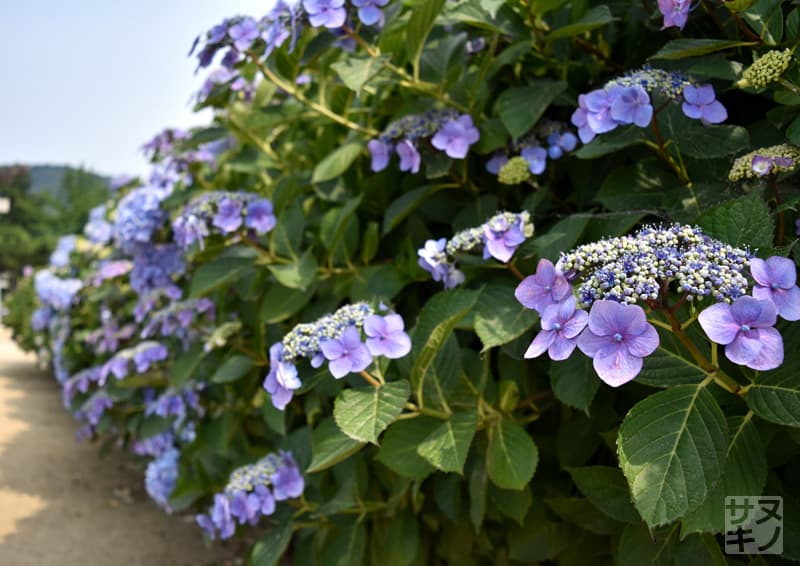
x=455 y=281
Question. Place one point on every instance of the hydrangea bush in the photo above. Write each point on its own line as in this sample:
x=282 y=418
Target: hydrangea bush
x=465 y=281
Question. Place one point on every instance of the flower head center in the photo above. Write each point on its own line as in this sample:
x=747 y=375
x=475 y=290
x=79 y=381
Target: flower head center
x=617 y=337
x=557 y=326
x=775 y=286
x=745 y=328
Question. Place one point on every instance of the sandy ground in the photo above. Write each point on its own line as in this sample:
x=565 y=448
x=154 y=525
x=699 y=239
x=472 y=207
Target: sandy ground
x=60 y=503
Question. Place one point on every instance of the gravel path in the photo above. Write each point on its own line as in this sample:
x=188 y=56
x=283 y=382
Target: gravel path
x=61 y=503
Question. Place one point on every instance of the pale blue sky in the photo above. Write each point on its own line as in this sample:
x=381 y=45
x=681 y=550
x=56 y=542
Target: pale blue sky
x=89 y=81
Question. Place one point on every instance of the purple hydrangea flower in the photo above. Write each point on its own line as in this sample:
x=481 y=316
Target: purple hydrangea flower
x=496 y=163
x=542 y=289
x=502 y=239
x=380 y=153
x=287 y=481
x=386 y=336
x=536 y=158
x=455 y=137
x=593 y=115
x=631 y=105
x=561 y=325
x=369 y=11
x=746 y=330
x=675 y=12
x=149 y=354
x=409 y=156
x=328 y=13
x=282 y=379
x=229 y=215
x=700 y=103
x=221 y=516
x=559 y=143
x=617 y=338
x=776 y=280
x=161 y=477
x=244 y=33
x=260 y=216
x=274 y=36
x=347 y=354
x=432 y=258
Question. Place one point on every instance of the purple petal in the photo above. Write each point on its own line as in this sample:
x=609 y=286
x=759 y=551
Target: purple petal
x=718 y=323
x=590 y=343
x=786 y=301
x=754 y=313
x=617 y=367
x=782 y=272
x=745 y=348
x=761 y=272
x=351 y=338
x=394 y=323
x=771 y=355
x=644 y=344
x=397 y=345
x=360 y=358
x=340 y=367
x=332 y=349
x=540 y=344
x=561 y=348
x=575 y=325
x=375 y=325
x=714 y=113
x=691 y=110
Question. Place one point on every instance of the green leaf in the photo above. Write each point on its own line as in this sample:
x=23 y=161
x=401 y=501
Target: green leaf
x=228 y=267
x=610 y=142
x=512 y=455
x=477 y=494
x=766 y=18
x=745 y=472
x=345 y=546
x=511 y=502
x=275 y=418
x=562 y=235
x=420 y=25
x=700 y=550
x=775 y=397
x=404 y=205
x=640 y=547
x=365 y=412
x=582 y=513
x=607 y=490
x=337 y=162
x=683 y=48
x=520 y=108
x=593 y=19
x=329 y=446
x=399 y=447
x=234 y=368
x=574 y=382
x=396 y=542
x=355 y=72
x=280 y=303
x=538 y=540
x=671 y=448
x=186 y=365
x=270 y=548
x=742 y=222
x=667 y=366
x=448 y=445
x=298 y=274
x=710 y=142
x=499 y=319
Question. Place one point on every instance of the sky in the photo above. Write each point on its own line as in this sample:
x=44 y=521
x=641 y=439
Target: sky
x=87 y=82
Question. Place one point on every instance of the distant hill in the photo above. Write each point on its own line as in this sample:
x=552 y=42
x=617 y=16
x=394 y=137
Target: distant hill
x=50 y=178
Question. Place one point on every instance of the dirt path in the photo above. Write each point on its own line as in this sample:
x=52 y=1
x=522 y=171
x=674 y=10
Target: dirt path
x=60 y=504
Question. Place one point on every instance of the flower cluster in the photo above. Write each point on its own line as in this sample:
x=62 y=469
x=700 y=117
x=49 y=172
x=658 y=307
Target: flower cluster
x=161 y=477
x=766 y=69
x=176 y=401
x=675 y=12
x=139 y=217
x=626 y=100
x=225 y=212
x=782 y=158
x=251 y=493
x=549 y=140
x=107 y=338
x=143 y=355
x=336 y=338
x=97 y=229
x=55 y=292
x=448 y=131
x=110 y=269
x=499 y=237
x=154 y=267
x=177 y=318
x=64 y=247
x=636 y=267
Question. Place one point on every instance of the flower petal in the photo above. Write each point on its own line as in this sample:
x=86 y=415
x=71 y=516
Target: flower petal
x=718 y=323
x=590 y=343
x=561 y=348
x=340 y=367
x=575 y=325
x=603 y=318
x=618 y=367
x=745 y=348
x=787 y=302
x=760 y=271
x=644 y=344
x=540 y=344
x=397 y=345
x=771 y=355
x=782 y=271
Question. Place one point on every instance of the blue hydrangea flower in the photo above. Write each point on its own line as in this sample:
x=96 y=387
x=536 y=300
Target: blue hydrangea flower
x=282 y=379
x=329 y=13
x=776 y=281
x=386 y=336
x=675 y=12
x=161 y=477
x=561 y=325
x=64 y=247
x=346 y=354
x=369 y=11
x=380 y=153
x=260 y=216
x=409 y=156
x=455 y=137
x=244 y=33
x=536 y=157
x=139 y=216
x=700 y=103
x=631 y=105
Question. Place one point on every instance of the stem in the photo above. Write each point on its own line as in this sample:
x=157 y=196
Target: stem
x=260 y=144
x=320 y=109
x=660 y=148
x=591 y=48
x=686 y=341
x=538 y=396
x=773 y=184
x=374 y=382
x=748 y=33
x=517 y=273
x=789 y=85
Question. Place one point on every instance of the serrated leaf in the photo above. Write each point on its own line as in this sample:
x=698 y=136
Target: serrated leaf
x=499 y=318
x=742 y=222
x=337 y=162
x=329 y=446
x=520 y=108
x=683 y=48
x=775 y=397
x=582 y=513
x=446 y=448
x=399 y=447
x=574 y=382
x=234 y=368
x=745 y=472
x=607 y=489
x=594 y=18
x=365 y=412
x=640 y=547
x=710 y=142
x=298 y=274
x=512 y=456
x=665 y=367
x=671 y=448
x=355 y=72
x=511 y=502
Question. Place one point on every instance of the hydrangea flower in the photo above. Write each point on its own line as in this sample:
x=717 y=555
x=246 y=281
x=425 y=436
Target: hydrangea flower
x=496 y=163
x=593 y=115
x=782 y=158
x=409 y=156
x=346 y=354
x=432 y=258
x=561 y=325
x=701 y=104
x=776 y=280
x=675 y=12
x=559 y=142
x=148 y=353
x=455 y=137
x=328 y=13
x=380 y=152
x=631 y=105
x=545 y=287
x=244 y=33
x=161 y=477
x=260 y=216
x=536 y=157
x=369 y=11
x=64 y=247
x=229 y=215
x=745 y=328
x=282 y=379
x=386 y=336
x=502 y=238
x=139 y=216
x=617 y=337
